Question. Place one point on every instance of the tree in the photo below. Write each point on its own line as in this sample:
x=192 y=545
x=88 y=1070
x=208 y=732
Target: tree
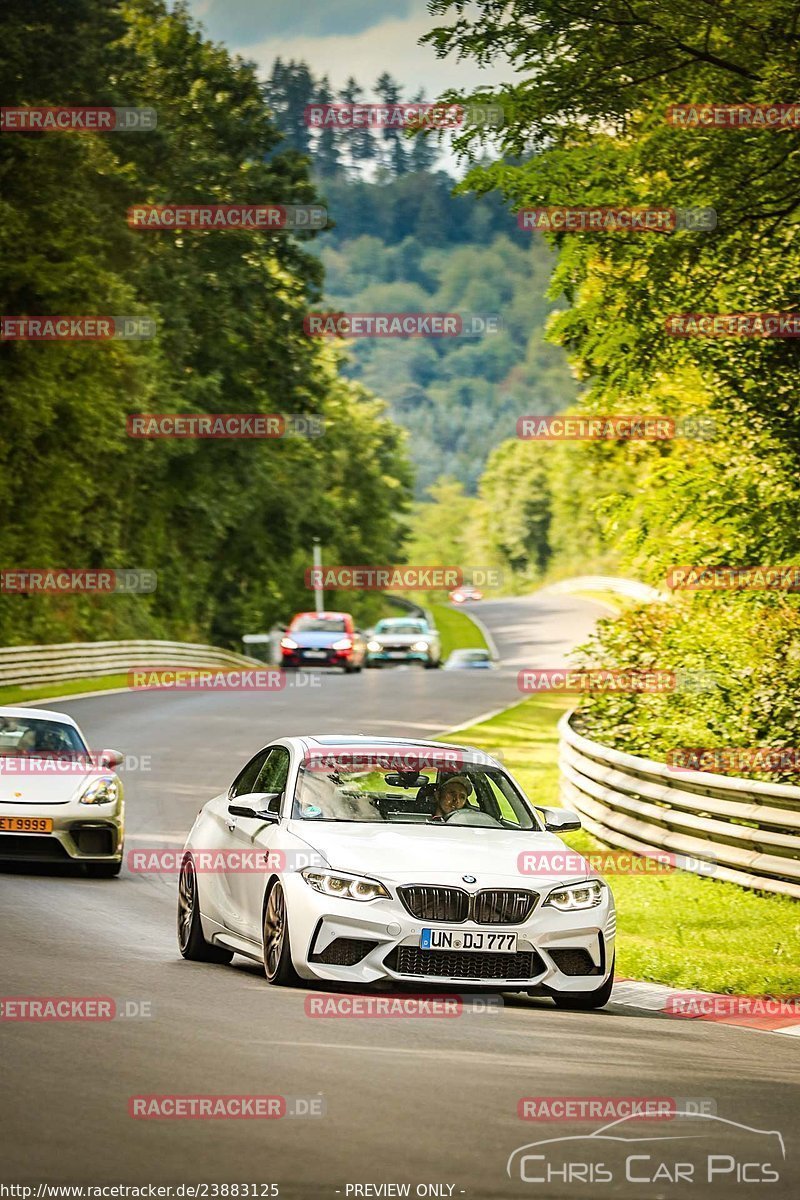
x=224 y=524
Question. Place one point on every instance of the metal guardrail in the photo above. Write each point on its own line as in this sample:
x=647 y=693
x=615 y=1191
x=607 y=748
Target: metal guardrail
x=741 y=830
x=31 y=665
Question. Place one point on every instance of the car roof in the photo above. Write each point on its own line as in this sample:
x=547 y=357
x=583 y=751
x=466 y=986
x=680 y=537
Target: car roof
x=47 y=713
x=360 y=739
x=328 y=613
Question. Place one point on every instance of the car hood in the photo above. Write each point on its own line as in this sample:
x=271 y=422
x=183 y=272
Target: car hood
x=420 y=853
x=44 y=788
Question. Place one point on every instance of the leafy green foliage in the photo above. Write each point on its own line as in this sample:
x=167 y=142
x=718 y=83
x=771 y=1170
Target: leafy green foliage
x=587 y=125
x=228 y=524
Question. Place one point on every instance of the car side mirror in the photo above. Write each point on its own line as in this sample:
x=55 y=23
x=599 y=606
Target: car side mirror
x=264 y=806
x=109 y=759
x=560 y=820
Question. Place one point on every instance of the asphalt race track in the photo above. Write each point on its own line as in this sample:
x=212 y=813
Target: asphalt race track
x=412 y=1101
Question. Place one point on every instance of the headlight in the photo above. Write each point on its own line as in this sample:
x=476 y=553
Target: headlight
x=374 y=647
x=100 y=791
x=419 y=646
x=577 y=895
x=288 y=643
x=343 y=644
x=347 y=887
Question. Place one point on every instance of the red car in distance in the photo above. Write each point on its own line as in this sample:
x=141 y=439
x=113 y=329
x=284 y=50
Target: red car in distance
x=465 y=593
x=325 y=639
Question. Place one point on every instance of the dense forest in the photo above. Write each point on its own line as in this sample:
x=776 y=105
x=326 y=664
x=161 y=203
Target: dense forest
x=590 y=127
x=402 y=241
x=227 y=525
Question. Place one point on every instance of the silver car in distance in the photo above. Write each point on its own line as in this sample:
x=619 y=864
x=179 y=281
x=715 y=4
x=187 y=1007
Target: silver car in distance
x=363 y=860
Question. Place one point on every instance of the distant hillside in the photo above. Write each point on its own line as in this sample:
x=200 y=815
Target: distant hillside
x=401 y=242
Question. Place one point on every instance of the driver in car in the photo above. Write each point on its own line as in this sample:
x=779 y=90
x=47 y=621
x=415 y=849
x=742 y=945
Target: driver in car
x=450 y=794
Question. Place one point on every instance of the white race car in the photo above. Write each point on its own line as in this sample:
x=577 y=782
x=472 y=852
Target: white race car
x=59 y=802
x=358 y=860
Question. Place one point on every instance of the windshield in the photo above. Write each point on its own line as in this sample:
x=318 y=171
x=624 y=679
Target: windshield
x=319 y=625
x=33 y=736
x=464 y=795
x=401 y=627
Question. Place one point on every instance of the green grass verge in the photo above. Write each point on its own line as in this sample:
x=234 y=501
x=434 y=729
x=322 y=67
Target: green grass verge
x=456 y=630
x=678 y=929
x=68 y=687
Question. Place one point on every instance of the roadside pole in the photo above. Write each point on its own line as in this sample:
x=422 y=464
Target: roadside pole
x=319 y=595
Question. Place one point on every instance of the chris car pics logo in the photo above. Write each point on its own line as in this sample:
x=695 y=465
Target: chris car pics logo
x=694 y=1148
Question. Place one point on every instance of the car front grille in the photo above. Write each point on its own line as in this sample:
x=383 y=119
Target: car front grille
x=34 y=846
x=457 y=964
x=498 y=906
x=429 y=903
x=503 y=907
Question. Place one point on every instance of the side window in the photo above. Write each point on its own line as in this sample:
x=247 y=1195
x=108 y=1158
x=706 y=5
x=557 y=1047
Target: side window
x=274 y=774
x=245 y=780
x=498 y=805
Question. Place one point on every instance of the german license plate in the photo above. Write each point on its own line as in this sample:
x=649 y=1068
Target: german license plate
x=26 y=825
x=397 y=654
x=315 y=654
x=466 y=939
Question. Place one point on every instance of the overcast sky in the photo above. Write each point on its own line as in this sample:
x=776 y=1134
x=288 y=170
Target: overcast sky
x=343 y=38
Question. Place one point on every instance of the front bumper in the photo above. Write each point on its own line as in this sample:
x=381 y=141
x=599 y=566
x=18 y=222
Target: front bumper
x=380 y=657
x=320 y=658
x=326 y=934
x=81 y=833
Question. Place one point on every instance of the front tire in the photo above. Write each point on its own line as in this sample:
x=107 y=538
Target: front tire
x=584 y=1001
x=276 y=950
x=191 y=942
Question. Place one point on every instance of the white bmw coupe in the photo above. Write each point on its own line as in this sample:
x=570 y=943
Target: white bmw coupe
x=59 y=801
x=359 y=860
